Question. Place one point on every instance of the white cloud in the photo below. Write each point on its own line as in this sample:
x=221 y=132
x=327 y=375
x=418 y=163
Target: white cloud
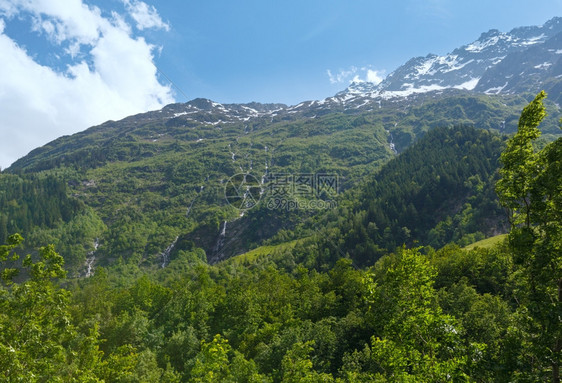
x=39 y=104
x=342 y=76
x=64 y=20
x=356 y=78
x=7 y=9
x=145 y=15
x=355 y=74
x=374 y=76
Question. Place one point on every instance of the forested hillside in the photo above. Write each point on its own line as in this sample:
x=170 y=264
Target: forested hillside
x=26 y=203
x=301 y=308
x=440 y=190
x=140 y=183
x=405 y=228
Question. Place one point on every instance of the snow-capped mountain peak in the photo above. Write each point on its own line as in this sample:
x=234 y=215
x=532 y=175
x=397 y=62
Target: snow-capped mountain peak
x=526 y=59
x=466 y=66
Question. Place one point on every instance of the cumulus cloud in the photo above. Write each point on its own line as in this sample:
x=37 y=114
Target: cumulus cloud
x=113 y=75
x=374 y=76
x=355 y=74
x=146 y=16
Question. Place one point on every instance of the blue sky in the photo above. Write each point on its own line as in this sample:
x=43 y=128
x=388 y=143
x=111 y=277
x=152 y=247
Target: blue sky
x=257 y=51
x=70 y=64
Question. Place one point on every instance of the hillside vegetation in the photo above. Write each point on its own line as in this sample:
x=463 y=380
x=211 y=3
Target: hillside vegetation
x=138 y=184
x=376 y=289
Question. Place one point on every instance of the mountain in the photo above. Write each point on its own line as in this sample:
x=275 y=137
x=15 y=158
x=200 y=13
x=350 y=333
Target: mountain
x=439 y=190
x=141 y=190
x=539 y=66
x=232 y=242
x=522 y=60
x=152 y=186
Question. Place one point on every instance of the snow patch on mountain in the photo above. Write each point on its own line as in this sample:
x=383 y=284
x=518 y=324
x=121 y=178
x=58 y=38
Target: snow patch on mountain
x=479 y=46
x=544 y=65
x=465 y=67
x=496 y=90
x=468 y=85
x=497 y=62
x=534 y=40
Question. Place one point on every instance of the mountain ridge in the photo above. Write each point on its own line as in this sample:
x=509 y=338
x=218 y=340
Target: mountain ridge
x=464 y=67
x=156 y=176
x=524 y=60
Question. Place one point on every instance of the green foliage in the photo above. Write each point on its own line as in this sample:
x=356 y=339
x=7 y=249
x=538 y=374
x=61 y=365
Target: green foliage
x=215 y=364
x=416 y=341
x=43 y=338
x=75 y=238
x=530 y=188
x=297 y=367
x=438 y=191
x=37 y=341
x=450 y=315
x=33 y=201
x=520 y=162
x=297 y=309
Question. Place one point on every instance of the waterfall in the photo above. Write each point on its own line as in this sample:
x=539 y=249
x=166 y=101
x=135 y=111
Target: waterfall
x=90 y=265
x=189 y=208
x=166 y=254
x=90 y=259
x=263 y=179
x=391 y=142
x=222 y=236
x=194 y=199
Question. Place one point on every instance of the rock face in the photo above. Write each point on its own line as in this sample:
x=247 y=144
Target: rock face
x=526 y=59
x=518 y=61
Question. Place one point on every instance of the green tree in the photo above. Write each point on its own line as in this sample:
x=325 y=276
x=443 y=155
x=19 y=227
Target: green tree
x=297 y=366
x=530 y=189
x=520 y=164
x=37 y=340
x=416 y=341
x=217 y=362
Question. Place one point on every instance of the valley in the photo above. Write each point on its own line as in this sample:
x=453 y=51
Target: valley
x=402 y=231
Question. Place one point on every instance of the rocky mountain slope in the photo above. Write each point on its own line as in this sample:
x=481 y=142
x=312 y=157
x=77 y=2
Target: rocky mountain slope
x=154 y=183
x=522 y=60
